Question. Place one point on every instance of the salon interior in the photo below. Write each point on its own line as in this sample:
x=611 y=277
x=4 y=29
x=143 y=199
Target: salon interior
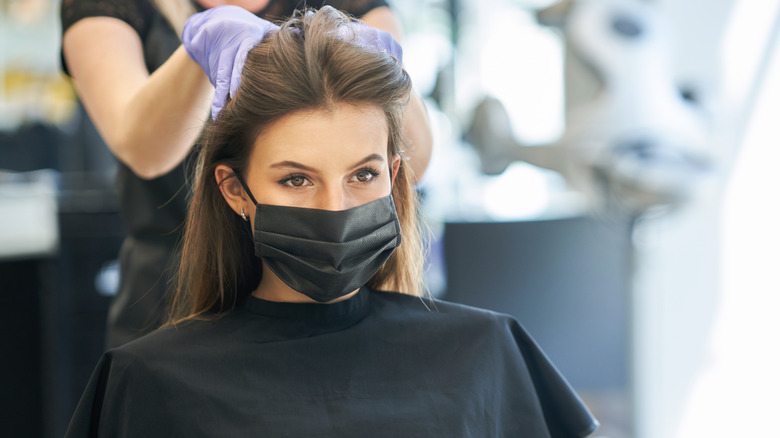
x=602 y=170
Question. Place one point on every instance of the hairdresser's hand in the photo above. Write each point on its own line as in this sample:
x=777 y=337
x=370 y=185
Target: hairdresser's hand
x=218 y=40
x=371 y=37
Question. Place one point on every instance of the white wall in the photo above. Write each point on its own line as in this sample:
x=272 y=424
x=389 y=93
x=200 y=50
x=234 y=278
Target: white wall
x=706 y=348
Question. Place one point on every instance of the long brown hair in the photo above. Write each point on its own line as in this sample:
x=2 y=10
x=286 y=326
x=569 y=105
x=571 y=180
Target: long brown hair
x=309 y=63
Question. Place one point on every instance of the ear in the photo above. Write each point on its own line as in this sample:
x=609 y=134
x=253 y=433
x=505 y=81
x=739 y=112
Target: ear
x=394 y=166
x=231 y=189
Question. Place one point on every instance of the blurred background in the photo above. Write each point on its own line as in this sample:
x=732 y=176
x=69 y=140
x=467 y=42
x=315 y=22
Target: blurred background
x=602 y=170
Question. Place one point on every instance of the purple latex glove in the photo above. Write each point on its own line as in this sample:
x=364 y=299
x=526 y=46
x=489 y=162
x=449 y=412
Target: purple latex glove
x=218 y=40
x=372 y=38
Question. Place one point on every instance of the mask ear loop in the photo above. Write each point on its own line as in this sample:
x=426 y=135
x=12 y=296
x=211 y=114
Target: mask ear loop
x=244 y=185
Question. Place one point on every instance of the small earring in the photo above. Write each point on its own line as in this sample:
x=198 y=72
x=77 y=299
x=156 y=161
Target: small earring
x=243 y=215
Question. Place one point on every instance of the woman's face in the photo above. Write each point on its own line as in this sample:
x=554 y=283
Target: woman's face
x=329 y=160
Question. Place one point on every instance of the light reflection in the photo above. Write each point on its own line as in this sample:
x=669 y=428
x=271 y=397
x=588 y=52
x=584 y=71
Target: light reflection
x=736 y=395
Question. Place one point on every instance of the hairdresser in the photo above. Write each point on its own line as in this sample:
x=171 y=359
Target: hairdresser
x=149 y=96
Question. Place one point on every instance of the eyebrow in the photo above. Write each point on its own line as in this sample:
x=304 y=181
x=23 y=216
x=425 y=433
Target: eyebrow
x=296 y=165
x=372 y=157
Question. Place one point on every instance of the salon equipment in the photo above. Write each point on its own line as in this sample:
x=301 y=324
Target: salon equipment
x=639 y=141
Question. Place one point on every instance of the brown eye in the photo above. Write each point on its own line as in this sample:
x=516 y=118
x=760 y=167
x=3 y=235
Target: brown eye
x=295 y=181
x=364 y=176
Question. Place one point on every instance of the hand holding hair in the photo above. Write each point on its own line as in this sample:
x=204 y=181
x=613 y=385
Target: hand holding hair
x=219 y=39
x=370 y=37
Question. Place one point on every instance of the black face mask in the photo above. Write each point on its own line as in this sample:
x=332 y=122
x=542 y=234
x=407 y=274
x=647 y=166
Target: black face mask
x=325 y=254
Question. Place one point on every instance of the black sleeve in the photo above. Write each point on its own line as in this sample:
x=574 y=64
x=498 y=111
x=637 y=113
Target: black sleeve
x=565 y=413
x=86 y=419
x=136 y=13
x=356 y=8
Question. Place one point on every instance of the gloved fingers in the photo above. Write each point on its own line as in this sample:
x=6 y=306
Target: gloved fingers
x=238 y=67
x=190 y=32
x=370 y=37
x=243 y=48
x=207 y=34
x=216 y=107
x=390 y=45
x=196 y=45
x=229 y=66
x=222 y=79
x=220 y=98
x=238 y=63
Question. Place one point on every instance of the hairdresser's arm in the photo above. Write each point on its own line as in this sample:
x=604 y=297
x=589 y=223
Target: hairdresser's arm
x=416 y=125
x=148 y=121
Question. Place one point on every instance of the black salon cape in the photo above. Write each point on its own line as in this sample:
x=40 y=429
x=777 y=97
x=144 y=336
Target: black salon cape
x=380 y=364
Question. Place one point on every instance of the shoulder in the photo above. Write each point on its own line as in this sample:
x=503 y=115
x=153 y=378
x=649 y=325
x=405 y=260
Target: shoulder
x=137 y=13
x=140 y=380
x=168 y=360
x=172 y=343
x=433 y=312
x=435 y=305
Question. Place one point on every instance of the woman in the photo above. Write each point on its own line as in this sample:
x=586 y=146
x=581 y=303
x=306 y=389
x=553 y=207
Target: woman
x=149 y=97
x=302 y=212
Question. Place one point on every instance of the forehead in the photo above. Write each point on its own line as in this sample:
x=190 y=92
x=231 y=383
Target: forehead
x=323 y=135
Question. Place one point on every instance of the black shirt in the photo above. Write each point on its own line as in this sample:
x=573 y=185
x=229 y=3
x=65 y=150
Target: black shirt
x=380 y=364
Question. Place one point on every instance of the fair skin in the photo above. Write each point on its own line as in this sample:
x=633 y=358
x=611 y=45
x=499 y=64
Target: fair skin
x=332 y=159
x=150 y=121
